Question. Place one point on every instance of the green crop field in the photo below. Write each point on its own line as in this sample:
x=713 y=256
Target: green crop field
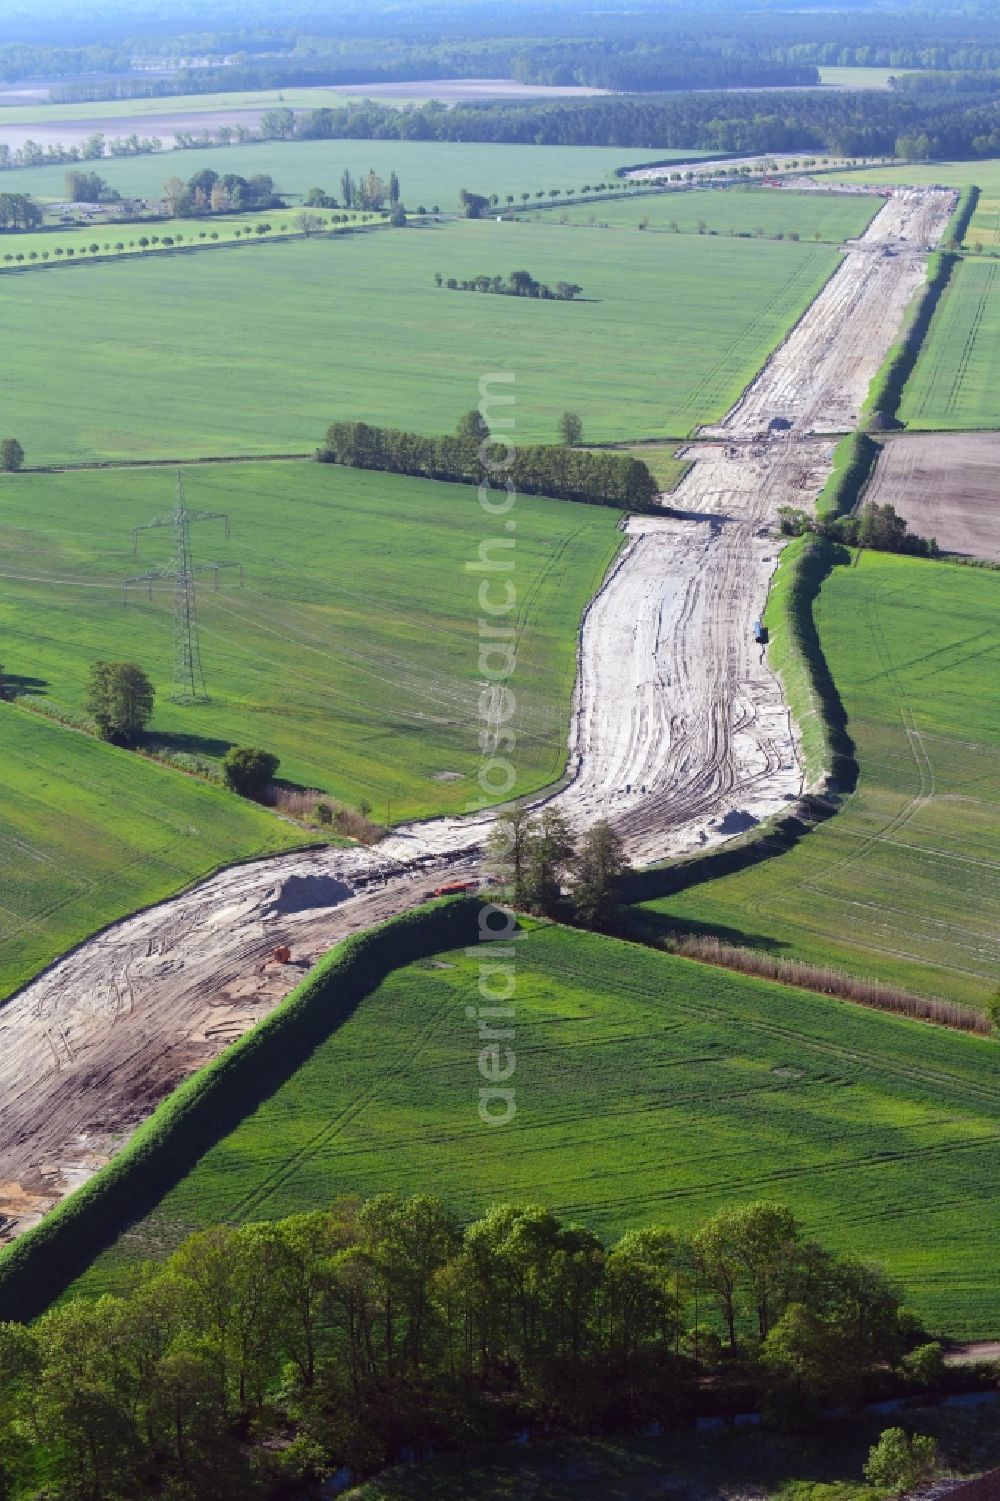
x=351 y=651
x=861 y=78
x=649 y=1090
x=751 y=212
x=255 y=350
x=954 y=384
x=429 y=171
x=901 y=883
x=89 y=833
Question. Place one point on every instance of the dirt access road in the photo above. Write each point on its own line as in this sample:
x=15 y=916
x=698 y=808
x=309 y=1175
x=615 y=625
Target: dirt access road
x=679 y=734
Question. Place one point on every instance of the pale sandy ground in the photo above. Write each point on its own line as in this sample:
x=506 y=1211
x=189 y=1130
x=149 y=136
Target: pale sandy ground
x=679 y=734
x=947 y=486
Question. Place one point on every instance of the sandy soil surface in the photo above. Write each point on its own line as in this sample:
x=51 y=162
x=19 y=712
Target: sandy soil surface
x=947 y=485
x=679 y=734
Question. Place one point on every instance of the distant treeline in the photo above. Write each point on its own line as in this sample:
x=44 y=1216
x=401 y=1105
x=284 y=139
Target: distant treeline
x=852 y=124
x=260 y=1358
x=607 y=479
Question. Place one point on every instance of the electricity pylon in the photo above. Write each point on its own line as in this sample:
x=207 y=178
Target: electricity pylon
x=189 y=677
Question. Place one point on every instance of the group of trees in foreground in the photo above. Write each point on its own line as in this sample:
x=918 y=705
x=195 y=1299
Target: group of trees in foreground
x=262 y=1355
x=610 y=479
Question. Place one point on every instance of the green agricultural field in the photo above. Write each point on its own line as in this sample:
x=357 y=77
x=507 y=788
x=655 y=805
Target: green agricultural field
x=256 y=350
x=351 y=651
x=751 y=212
x=649 y=1090
x=901 y=883
x=429 y=171
x=954 y=384
x=89 y=833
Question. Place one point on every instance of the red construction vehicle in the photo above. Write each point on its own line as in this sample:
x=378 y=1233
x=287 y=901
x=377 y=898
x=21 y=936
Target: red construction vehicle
x=454 y=888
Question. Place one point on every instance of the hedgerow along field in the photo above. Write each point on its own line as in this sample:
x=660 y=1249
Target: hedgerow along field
x=654 y=1099
x=954 y=382
x=900 y=884
x=89 y=833
x=352 y=649
x=747 y=212
x=255 y=350
x=430 y=172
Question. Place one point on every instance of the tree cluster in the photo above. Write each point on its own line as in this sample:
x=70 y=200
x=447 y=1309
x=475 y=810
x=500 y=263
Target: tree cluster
x=11 y=456
x=875 y=526
x=610 y=479
x=209 y=192
x=370 y=192
x=258 y=1357
x=119 y=698
x=536 y=857
x=86 y=186
x=517 y=284
x=19 y=211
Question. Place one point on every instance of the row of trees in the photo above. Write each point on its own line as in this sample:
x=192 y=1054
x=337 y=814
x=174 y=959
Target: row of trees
x=259 y=1356
x=517 y=284
x=567 y=474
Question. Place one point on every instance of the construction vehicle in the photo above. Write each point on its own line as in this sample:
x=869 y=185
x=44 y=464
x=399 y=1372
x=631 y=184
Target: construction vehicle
x=282 y=954
x=454 y=888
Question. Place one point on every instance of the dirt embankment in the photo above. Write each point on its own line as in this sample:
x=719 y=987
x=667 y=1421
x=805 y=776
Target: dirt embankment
x=679 y=735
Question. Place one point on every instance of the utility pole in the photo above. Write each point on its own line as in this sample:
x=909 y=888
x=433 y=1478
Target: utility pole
x=189 y=677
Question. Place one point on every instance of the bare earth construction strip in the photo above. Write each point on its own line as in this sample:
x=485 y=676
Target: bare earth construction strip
x=680 y=735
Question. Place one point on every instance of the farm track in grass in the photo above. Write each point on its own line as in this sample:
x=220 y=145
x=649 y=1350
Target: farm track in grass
x=359 y=330
x=902 y=883
x=711 y=1088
